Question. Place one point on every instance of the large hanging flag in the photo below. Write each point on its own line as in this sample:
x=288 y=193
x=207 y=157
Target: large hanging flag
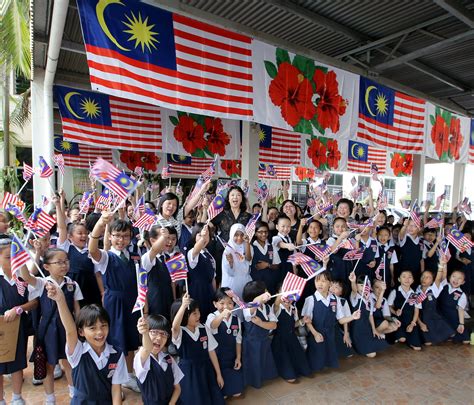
x=279 y=146
x=79 y=155
x=187 y=165
x=109 y=176
x=142 y=285
x=273 y=172
x=109 y=122
x=177 y=267
x=144 y=53
x=390 y=119
x=361 y=157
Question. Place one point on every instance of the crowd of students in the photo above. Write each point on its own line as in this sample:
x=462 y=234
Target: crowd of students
x=194 y=345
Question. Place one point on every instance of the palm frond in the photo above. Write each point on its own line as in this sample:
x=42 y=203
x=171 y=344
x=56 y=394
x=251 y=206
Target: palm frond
x=14 y=137
x=20 y=115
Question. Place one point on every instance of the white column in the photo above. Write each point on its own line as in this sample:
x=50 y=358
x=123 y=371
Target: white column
x=458 y=183
x=42 y=134
x=249 y=164
x=417 y=178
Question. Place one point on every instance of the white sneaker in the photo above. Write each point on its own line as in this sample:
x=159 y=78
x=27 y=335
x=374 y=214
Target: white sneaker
x=50 y=403
x=58 y=372
x=20 y=401
x=34 y=381
x=131 y=384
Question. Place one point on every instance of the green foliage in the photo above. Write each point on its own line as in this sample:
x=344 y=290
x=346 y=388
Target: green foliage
x=271 y=69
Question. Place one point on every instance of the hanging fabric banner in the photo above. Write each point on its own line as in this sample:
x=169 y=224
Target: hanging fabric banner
x=324 y=153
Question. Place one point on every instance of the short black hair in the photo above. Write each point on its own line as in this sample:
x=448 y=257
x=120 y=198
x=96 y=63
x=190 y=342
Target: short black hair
x=256 y=205
x=221 y=293
x=243 y=203
x=282 y=216
x=159 y=322
x=345 y=201
x=193 y=305
x=253 y=289
x=71 y=227
x=168 y=197
x=89 y=315
x=120 y=225
x=384 y=228
x=51 y=253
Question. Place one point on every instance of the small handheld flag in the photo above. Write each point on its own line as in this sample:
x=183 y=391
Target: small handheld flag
x=311 y=267
x=415 y=214
x=459 y=240
x=45 y=169
x=28 y=172
x=354 y=254
x=111 y=177
x=40 y=222
x=15 y=211
x=58 y=160
x=250 y=227
x=380 y=269
x=436 y=222
x=216 y=206
x=19 y=255
x=297 y=258
x=177 y=267
x=146 y=221
x=320 y=251
x=293 y=284
x=142 y=285
x=86 y=201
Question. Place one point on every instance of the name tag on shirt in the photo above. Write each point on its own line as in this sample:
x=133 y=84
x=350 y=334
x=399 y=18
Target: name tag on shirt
x=204 y=342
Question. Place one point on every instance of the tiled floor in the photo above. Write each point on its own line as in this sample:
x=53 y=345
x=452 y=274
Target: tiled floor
x=437 y=375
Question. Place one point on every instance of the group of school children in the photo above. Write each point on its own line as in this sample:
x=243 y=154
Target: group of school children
x=196 y=346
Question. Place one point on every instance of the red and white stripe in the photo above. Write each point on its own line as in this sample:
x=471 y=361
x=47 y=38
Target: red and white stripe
x=213 y=72
x=374 y=155
x=11 y=199
x=197 y=166
x=407 y=132
x=87 y=155
x=285 y=149
x=135 y=126
x=282 y=173
x=471 y=153
x=293 y=284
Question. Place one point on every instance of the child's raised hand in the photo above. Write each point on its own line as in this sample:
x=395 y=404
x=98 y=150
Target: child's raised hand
x=142 y=326
x=356 y=315
x=291 y=246
x=230 y=259
x=55 y=199
x=326 y=261
x=54 y=292
x=358 y=237
x=303 y=222
x=344 y=235
x=237 y=364
x=226 y=313
x=246 y=238
x=383 y=286
x=186 y=300
x=106 y=217
x=352 y=277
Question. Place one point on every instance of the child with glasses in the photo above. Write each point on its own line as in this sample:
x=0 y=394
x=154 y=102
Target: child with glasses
x=50 y=329
x=157 y=372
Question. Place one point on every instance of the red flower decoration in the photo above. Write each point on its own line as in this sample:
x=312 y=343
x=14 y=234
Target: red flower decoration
x=408 y=164
x=317 y=153
x=440 y=135
x=292 y=92
x=217 y=139
x=331 y=105
x=231 y=167
x=402 y=165
x=304 y=173
x=455 y=138
x=190 y=134
x=148 y=160
x=334 y=155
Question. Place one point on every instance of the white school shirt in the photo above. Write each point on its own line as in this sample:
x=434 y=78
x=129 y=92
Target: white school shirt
x=174 y=222
x=331 y=241
x=8 y=280
x=269 y=316
x=119 y=373
x=308 y=241
x=385 y=307
x=101 y=265
x=406 y=294
x=212 y=342
x=263 y=250
x=148 y=264
x=345 y=307
x=393 y=259
x=37 y=291
x=227 y=323
x=292 y=311
x=67 y=244
x=193 y=261
x=416 y=241
x=355 y=301
x=309 y=305
x=462 y=302
x=141 y=370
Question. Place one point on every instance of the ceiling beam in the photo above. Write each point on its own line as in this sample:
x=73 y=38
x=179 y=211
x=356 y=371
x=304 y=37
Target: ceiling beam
x=76 y=47
x=457 y=10
x=427 y=50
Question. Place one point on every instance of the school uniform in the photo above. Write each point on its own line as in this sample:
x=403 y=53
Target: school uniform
x=387 y=253
x=202 y=271
x=380 y=314
x=228 y=335
x=338 y=267
x=449 y=301
x=53 y=333
x=199 y=384
x=281 y=255
x=342 y=350
x=438 y=329
x=467 y=269
x=396 y=299
x=431 y=263
x=81 y=270
x=157 y=377
x=309 y=288
x=370 y=251
x=93 y=375
x=10 y=298
x=362 y=335
x=411 y=253
x=119 y=276
x=257 y=357
x=269 y=276
x=324 y=313
x=290 y=358
x=185 y=237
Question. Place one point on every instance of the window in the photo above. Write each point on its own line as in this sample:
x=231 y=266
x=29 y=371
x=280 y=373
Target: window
x=299 y=193
x=363 y=181
x=335 y=184
x=389 y=185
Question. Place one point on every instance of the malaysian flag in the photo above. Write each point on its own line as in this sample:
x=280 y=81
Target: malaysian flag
x=278 y=146
x=12 y=199
x=188 y=165
x=297 y=258
x=250 y=227
x=19 y=256
x=104 y=200
x=176 y=62
x=78 y=155
x=86 y=201
x=367 y=289
x=390 y=119
x=146 y=220
x=177 y=267
x=440 y=199
x=324 y=209
x=293 y=284
x=272 y=172
x=261 y=191
x=241 y=304
x=421 y=296
x=109 y=122
x=459 y=240
x=310 y=267
x=355 y=254
x=58 y=160
x=216 y=206
x=471 y=144
x=320 y=251
x=140 y=207
x=361 y=157
x=28 y=172
x=40 y=222
x=45 y=170
x=436 y=222
x=16 y=212
x=415 y=214
x=382 y=200
x=142 y=285
x=210 y=171
x=443 y=250
x=380 y=270
x=111 y=177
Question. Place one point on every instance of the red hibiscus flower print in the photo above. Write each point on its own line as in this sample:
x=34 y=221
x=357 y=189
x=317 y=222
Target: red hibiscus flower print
x=455 y=138
x=130 y=158
x=408 y=165
x=440 y=135
x=334 y=155
x=304 y=173
x=217 y=139
x=292 y=92
x=149 y=161
x=231 y=167
x=317 y=153
x=331 y=105
x=397 y=164
x=190 y=134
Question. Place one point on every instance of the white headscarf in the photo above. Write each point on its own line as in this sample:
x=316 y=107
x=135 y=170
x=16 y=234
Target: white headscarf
x=238 y=248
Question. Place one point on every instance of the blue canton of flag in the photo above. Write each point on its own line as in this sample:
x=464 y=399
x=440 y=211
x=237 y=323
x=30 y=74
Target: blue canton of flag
x=358 y=151
x=142 y=285
x=376 y=101
x=265 y=136
x=177 y=267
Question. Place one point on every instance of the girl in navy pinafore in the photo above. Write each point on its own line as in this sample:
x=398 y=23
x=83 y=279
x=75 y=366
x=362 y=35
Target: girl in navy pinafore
x=387 y=253
x=383 y=320
x=411 y=250
x=434 y=328
x=157 y=372
x=257 y=357
x=321 y=311
x=403 y=305
x=467 y=259
x=452 y=302
x=227 y=330
x=198 y=360
x=430 y=254
x=202 y=270
x=339 y=268
x=283 y=246
x=262 y=267
x=366 y=265
x=290 y=358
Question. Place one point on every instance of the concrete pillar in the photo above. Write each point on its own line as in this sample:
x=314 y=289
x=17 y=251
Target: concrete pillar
x=68 y=182
x=249 y=164
x=458 y=183
x=417 y=178
x=42 y=136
